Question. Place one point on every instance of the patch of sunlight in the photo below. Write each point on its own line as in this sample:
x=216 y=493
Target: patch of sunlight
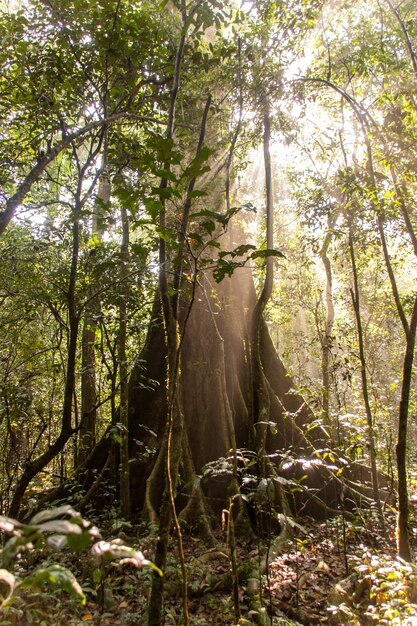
x=10 y=6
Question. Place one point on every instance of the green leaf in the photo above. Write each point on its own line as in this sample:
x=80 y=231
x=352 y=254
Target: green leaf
x=225 y=268
x=163 y=192
x=222 y=218
x=166 y=174
x=242 y=249
x=163 y=146
x=197 y=165
x=56 y=575
x=14 y=546
x=97 y=575
x=139 y=250
x=128 y=197
x=81 y=542
x=198 y=193
x=209 y=226
x=153 y=207
x=195 y=237
x=263 y=254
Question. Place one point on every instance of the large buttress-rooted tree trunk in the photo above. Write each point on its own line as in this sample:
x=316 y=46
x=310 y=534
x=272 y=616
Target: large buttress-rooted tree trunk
x=216 y=384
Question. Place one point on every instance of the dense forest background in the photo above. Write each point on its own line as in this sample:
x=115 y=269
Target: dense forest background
x=207 y=282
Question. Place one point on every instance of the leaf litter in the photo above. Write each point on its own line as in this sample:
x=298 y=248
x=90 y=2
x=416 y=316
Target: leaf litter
x=334 y=573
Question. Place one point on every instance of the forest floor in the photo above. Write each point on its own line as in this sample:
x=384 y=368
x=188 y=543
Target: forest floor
x=331 y=572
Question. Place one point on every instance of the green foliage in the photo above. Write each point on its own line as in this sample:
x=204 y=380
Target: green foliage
x=226 y=267
x=47 y=527
x=57 y=529
x=54 y=575
x=391 y=591
x=69 y=63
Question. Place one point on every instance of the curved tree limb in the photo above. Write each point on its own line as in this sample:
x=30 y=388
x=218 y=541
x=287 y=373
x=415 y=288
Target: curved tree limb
x=25 y=186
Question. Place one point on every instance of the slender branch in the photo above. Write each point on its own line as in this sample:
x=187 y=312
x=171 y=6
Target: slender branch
x=406 y=34
x=400 y=191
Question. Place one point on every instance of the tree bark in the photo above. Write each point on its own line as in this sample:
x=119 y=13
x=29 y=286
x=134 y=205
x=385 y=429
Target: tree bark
x=364 y=377
x=123 y=370
x=404 y=547
x=326 y=335
x=87 y=433
x=260 y=408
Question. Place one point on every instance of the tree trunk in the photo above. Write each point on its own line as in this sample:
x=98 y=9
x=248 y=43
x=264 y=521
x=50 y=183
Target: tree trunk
x=364 y=377
x=87 y=436
x=216 y=391
x=260 y=399
x=216 y=399
x=170 y=453
x=404 y=548
x=326 y=335
x=123 y=370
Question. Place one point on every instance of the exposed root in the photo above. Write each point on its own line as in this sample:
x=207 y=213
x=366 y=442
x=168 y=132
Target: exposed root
x=251 y=570
x=195 y=513
x=154 y=486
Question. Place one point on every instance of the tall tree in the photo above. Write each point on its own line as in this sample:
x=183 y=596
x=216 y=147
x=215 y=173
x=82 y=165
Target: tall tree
x=88 y=426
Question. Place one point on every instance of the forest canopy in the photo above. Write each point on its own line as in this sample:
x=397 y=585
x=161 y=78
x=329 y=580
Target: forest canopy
x=208 y=260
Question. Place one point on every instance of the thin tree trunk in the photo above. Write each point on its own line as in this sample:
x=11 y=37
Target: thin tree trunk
x=406 y=34
x=326 y=336
x=186 y=213
x=403 y=531
x=409 y=330
x=87 y=437
x=123 y=369
x=23 y=188
x=364 y=377
x=174 y=426
x=260 y=398
x=401 y=193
